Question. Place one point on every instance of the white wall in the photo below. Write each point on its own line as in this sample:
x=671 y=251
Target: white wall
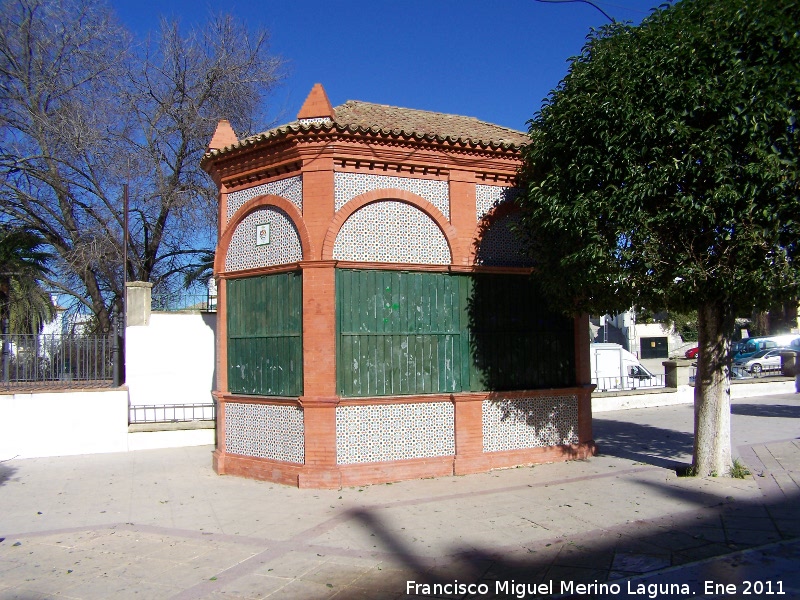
x=646 y=330
x=63 y=423
x=169 y=361
x=684 y=394
x=172 y=359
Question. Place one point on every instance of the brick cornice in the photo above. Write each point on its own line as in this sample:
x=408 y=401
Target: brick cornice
x=241 y=399
x=283 y=154
x=319 y=401
x=270 y=270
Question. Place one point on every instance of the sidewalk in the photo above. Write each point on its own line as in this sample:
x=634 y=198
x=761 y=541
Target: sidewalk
x=160 y=524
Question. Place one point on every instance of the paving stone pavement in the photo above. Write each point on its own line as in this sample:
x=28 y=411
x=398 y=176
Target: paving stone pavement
x=160 y=524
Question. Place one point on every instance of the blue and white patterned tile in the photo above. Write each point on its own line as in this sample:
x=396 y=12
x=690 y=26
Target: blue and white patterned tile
x=502 y=244
x=265 y=431
x=519 y=423
x=375 y=433
x=391 y=232
x=350 y=185
x=488 y=197
x=284 y=245
x=290 y=189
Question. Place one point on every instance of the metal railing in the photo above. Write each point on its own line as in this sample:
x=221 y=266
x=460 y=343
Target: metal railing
x=609 y=384
x=741 y=373
x=179 y=301
x=171 y=413
x=51 y=360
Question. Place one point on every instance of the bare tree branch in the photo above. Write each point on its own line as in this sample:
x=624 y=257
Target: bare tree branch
x=84 y=110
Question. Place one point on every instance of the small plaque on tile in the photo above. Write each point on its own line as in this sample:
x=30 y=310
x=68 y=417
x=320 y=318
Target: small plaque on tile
x=262 y=234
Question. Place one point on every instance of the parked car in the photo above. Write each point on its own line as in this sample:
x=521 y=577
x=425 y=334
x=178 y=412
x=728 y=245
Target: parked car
x=692 y=352
x=763 y=360
x=750 y=346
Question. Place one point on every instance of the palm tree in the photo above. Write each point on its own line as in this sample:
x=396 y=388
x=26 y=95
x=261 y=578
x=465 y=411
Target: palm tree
x=23 y=263
x=200 y=271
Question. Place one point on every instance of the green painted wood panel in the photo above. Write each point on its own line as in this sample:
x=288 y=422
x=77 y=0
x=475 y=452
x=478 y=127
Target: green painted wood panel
x=265 y=322
x=396 y=333
x=515 y=341
x=404 y=333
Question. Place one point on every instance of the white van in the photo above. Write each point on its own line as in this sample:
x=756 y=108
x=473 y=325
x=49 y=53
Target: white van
x=614 y=368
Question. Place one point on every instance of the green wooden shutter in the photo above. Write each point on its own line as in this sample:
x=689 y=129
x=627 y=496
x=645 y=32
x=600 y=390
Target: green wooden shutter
x=398 y=333
x=265 y=323
x=515 y=341
x=421 y=333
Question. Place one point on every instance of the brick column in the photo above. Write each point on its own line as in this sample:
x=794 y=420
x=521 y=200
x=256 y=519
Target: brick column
x=462 y=213
x=319 y=398
x=221 y=385
x=318 y=202
x=469 y=435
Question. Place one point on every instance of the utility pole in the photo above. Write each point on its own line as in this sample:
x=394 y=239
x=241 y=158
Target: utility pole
x=592 y=4
x=119 y=317
x=6 y=349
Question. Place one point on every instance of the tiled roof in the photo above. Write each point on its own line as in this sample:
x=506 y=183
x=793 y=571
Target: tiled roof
x=365 y=117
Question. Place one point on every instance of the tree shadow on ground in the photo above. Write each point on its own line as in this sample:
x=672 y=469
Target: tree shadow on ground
x=780 y=411
x=642 y=443
x=632 y=550
x=6 y=473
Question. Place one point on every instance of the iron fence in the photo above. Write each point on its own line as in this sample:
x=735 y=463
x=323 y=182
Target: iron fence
x=609 y=384
x=742 y=373
x=171 y=413
x=52 y=359
x=181 y=301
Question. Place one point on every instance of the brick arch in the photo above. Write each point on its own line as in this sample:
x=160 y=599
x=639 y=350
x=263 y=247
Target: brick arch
x=248 y=207
x=493 y=216
x=387 y=195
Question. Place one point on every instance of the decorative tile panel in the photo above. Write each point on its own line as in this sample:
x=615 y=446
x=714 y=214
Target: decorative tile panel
x=391 y=232
x=519 y=423
x=349 y=185
x=283 y=247
x=374 y=433
x=290 y=188
x=265 y=431
x=489 y=196
x=316 y=121
x=502 y=246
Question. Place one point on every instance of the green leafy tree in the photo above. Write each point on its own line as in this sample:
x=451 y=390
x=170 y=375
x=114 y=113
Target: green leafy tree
x=663 y=172
x=23 y=264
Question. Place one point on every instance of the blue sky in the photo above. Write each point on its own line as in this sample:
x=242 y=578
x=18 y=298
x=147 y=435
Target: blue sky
x=492 y=60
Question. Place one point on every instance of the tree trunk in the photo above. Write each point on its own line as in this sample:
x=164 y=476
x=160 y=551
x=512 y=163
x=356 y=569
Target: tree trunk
x=712 y=392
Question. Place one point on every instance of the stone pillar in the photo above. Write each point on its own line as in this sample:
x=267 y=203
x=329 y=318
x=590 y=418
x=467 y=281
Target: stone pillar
x=137 y=303
x=789 y=363
x=676 y=372
x=670 y=373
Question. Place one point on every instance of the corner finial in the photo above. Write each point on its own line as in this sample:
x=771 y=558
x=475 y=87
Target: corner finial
x=223 y=136
x=317 y=105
